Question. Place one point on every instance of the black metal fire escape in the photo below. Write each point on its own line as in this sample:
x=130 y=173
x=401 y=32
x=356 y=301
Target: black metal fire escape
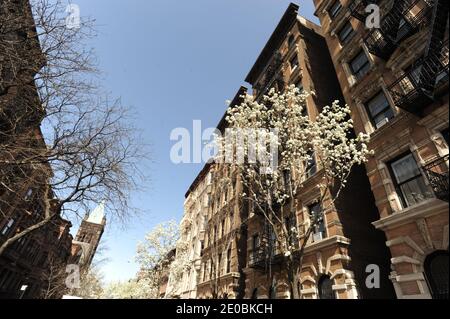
x=271 y=76
x=403 y=19
x=437 y=173
x=265 y=254
x=358 y=8
x=427 y=79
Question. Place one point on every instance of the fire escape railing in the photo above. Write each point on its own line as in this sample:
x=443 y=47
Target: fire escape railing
x=437 y=174
x=400 y=22
x=270 y=75
x=419 y=86
x=357 y=8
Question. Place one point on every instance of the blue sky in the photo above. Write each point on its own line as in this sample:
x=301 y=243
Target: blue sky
x=174 y=62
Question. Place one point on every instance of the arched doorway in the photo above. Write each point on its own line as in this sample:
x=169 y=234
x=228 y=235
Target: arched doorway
x=436 y=268
x=325 y=287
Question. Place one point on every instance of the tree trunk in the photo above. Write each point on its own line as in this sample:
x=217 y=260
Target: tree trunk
x=23 y=233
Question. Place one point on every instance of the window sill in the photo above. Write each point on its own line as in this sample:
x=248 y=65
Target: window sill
x=377 y=132
x=326 y=242
x=426 y=208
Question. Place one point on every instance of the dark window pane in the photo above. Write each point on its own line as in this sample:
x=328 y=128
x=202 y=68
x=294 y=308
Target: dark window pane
x=405 y=168
x=346 y=33
x=409 y=181
x=335 y=9
x=360 y=65
x=294 y=62
x=445 y=134
x=379 y=110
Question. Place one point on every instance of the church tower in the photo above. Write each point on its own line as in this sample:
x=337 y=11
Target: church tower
x=89 y=235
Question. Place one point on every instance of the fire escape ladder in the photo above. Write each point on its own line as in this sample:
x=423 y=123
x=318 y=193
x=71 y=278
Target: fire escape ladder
x=393 y=20
x=358 y=8
x=402 y=20
x=435 y=60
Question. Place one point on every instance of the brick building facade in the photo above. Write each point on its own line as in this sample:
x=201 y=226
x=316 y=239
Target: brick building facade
x=25 y=264
x=32 y=261
x=345 y=243
x=394 y=211
x=395 y=80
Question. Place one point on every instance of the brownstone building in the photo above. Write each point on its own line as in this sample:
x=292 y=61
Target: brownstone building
x=344 y=243
x=395 y=79
x=223 y=233
x=26 y=263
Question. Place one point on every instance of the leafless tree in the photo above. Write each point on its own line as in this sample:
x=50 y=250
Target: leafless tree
x=63 y=140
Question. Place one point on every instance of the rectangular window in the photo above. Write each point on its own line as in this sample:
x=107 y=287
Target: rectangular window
x=334 y=9
x=204 y=272
x=346 y=33
x=299 y=85
x=211 y=266
x=380 y=111
x=255 y=242
x=311 y=166
x=223 y=227
x=293 y=62
x=445 y=135
x=229 y=261
x=6 y=229
x=409 y=181
x=316 y=216
x=360 y=65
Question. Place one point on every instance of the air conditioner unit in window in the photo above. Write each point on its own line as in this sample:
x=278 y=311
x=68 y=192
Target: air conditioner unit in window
x=317 y=237
x=383 y=122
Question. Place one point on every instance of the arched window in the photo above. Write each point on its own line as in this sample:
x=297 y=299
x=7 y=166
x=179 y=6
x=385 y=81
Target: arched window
x=436 y=268
x=326 y=288
x=255 y=293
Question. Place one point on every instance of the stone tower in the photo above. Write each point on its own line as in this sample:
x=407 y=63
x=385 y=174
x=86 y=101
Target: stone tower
x=89 y=236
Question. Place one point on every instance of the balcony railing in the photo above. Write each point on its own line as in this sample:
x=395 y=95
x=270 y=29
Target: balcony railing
x=422 y=84
x=437 y=173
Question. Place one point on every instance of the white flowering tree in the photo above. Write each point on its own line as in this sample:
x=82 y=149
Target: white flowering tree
x=161 y=256
x=326 y=142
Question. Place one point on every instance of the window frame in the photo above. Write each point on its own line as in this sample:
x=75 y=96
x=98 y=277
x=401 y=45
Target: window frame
x=357 y=74
x=228 y=261
x=297 y=64
x=349 y=36
x=383 y=111
x=334 y=9
x=7 y=227
x=310 y=165
x=398 y=185
x=291 y=41
x=324 y=232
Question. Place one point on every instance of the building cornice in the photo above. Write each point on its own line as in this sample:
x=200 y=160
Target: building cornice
x=275 y=40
